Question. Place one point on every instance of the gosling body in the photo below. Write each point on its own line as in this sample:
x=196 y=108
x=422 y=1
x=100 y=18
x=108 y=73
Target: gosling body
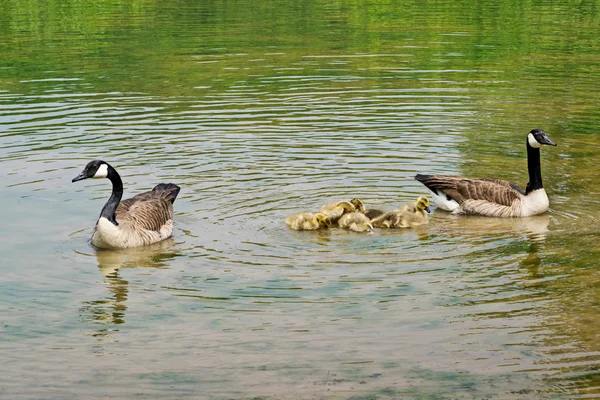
x=410 y=215
x=356 y=221
x=374 y=213
x=336 y=209
x=307 y=221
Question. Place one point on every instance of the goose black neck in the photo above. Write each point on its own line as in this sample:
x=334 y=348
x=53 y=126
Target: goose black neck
x=535 y=171
x=108 y=211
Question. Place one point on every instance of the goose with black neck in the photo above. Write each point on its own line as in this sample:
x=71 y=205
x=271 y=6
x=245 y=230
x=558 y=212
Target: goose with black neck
x=494 y=197
x=141 y=220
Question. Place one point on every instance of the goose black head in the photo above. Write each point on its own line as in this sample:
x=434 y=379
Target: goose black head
x=94 y=169
x=537 y=137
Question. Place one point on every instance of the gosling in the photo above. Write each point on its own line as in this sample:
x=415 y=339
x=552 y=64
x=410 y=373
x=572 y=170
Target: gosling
x=357 y=222
x=409 y=215
x=358 y=205
x=336 y=209
x=307 y=221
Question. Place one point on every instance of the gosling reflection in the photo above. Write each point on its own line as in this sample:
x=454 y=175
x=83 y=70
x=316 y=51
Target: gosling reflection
x=111 y=310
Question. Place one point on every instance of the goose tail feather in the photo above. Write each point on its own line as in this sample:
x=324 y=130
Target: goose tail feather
x=427 y=180
x=171 y=190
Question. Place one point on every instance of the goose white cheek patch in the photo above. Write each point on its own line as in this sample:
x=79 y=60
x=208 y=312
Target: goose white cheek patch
x=532 y=142
x=102 y=172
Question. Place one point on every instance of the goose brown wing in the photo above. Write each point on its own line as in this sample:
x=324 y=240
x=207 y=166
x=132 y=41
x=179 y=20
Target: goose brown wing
x=124 y=205
x=145 y=213
x=162 y=191
x=462 y=189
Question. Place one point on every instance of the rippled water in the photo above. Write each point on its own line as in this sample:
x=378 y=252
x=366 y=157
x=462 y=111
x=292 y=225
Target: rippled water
x=261 y=110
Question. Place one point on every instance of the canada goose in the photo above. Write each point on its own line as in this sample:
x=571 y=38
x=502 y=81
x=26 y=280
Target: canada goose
x=409 y=215
x=143 y=219
x=336 y=209
x=307 y=221
x=491 y=197
x=356 y=221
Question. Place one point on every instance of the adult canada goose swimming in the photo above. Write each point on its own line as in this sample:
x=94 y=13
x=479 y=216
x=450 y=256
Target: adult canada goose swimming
x=491 y=197
x=409 y=215
x=356 y=221
x=141 y=220
x=307 y=221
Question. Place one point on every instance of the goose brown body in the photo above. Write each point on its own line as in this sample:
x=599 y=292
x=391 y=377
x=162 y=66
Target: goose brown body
x=142 y=220
x=488 y=197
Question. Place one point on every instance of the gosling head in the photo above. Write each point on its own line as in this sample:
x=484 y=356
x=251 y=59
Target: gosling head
x=94 y=169
x=346 y=205
x=323 y=220
x=537 y=137
x=423 y=204
x=358 y=205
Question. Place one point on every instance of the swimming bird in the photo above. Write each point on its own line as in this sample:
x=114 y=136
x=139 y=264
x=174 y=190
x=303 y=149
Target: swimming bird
x=307 y=221
x=356 y=221
x=336 y=209
x=492 y=197
x=374 y=213
x=409 y=215
x=141 y=220
x=358 y=205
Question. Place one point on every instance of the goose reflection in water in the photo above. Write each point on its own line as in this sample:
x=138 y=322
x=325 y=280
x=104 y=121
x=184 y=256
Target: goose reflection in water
x=111 y=310
x=472 y=227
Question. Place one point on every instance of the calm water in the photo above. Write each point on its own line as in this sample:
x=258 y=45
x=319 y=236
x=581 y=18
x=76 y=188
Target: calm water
x=261 y=109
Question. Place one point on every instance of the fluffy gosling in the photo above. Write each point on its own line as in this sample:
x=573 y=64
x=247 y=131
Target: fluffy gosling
x=307 y=221
x=357 y=222
x=409 y=215
x=336 y=209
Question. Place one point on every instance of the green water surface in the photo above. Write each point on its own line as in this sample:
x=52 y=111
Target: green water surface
x=258 y=109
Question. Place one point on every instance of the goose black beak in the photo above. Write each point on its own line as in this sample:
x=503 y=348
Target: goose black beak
x=428 y=210
x=79 y=177
x=546 y=140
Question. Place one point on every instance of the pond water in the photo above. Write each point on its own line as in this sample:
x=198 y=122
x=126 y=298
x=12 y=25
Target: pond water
x=261 y=109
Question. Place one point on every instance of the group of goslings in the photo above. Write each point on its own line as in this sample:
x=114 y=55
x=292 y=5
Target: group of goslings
x=352 y=215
